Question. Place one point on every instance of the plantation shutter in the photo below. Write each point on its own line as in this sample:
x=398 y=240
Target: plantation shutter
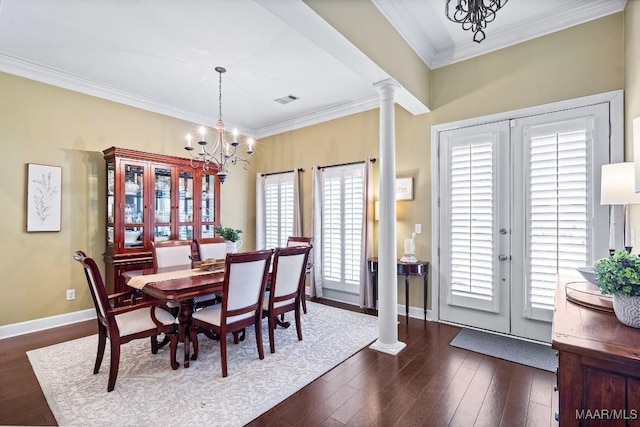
x=342 y=223
x=278 y=209
x=558 y=197
x=471 y=209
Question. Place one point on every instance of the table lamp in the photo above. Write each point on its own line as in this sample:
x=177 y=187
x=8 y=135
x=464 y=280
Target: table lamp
x=618 y=188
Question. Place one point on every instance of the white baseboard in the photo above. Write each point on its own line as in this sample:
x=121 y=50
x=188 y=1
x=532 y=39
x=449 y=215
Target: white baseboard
x=22 y=328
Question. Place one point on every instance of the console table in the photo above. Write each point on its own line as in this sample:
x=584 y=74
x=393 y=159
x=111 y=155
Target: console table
x=406 y=269
x=598 y=365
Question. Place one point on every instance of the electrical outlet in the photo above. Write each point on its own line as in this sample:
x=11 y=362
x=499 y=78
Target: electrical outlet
x=71 y=294
x=418 y=228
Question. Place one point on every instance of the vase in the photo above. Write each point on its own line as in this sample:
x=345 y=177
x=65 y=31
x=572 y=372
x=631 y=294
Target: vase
x=627 y=310
x=233 y=247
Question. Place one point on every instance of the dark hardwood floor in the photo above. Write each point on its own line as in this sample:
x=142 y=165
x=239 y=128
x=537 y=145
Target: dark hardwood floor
x=428 y=384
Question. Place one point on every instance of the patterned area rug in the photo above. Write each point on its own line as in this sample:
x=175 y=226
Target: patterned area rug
x=148 y=392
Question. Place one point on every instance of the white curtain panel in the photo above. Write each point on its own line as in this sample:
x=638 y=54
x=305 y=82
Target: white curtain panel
x=297 y=204
x=366 y=284
x=260 y=212
x=316 y=216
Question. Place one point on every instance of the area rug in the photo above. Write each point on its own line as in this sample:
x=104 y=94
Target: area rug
x=515 y=350
x=148 y=392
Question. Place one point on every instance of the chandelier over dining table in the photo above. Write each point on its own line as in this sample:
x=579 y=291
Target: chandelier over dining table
x=221 y=153
x=474 y=15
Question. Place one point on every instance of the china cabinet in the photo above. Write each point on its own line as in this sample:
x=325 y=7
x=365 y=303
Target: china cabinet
x=153 y=197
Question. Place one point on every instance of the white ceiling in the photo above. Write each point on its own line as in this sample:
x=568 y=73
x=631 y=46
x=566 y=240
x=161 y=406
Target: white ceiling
x=160 y=55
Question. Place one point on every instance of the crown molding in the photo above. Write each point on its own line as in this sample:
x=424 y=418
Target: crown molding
x=320 y=116
x=572 y=13
x=407 y=26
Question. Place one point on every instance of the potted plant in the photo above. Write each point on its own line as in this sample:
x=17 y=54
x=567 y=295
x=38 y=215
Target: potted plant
x=619 y=275
x=231 y=235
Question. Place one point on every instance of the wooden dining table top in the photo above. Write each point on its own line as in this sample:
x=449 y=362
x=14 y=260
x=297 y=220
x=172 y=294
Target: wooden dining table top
x=179 y=289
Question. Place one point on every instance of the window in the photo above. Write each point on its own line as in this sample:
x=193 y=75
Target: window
x=342 y=224
x=278 y=209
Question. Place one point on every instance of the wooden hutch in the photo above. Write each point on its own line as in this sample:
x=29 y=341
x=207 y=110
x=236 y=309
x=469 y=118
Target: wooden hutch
x=153 y=197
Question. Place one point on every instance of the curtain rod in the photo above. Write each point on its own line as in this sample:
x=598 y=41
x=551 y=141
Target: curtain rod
x=373 y=160
x=278 y=173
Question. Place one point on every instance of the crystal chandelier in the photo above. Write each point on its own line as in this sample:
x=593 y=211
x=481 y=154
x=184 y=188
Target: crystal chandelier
x=222 y=153
x=474 y=15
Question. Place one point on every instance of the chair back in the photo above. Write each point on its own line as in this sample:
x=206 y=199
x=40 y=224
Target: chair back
x=289 y=269
x=244 y=284
x=299 y=241
x=96 y=285
x=171 y=253
x=211 y=248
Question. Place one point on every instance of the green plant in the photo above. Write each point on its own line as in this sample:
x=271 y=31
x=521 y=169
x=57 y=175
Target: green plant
x=619 y=274
x=227 y=233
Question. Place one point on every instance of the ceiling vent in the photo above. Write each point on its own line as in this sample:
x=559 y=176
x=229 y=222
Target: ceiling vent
x=286 y=99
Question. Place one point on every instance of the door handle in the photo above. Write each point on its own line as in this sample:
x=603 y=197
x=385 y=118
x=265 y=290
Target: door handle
x=503 y=257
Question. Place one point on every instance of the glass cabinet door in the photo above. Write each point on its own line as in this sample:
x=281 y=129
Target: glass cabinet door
x=111 y=185
x=185 y=205
x=133 y=208
x=208 y=207
x=162 y=204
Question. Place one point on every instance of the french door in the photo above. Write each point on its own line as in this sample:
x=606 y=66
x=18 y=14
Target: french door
x=519 y=205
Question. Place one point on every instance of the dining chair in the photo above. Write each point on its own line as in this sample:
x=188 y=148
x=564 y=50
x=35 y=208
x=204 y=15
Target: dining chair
x=245 y=280
x=302 y=241
x=211 y=248
x=287 y=287
x=171 y=253
x=123 y=324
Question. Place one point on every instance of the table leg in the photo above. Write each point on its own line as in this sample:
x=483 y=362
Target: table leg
x=406 y=297
x=184 y=319
x=424 y=294
x=374 y=280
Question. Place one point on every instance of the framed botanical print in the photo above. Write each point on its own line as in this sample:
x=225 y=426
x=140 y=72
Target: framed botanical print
x=44 y=197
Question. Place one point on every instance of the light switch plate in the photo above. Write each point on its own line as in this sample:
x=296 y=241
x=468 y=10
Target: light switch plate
x=418 y=228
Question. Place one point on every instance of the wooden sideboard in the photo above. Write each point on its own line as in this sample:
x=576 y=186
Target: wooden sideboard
x=598 y=366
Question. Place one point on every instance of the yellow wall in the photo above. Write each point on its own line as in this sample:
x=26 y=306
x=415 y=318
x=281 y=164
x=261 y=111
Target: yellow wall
x=579 y=61
x=48 y=125
x=44 y=124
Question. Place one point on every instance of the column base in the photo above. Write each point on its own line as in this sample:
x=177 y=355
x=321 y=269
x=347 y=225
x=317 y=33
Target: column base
x=392 y=349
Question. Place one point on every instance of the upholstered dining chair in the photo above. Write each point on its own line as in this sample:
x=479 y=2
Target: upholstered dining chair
x=302 y=241
x=287 y=287
x=245 y=280
x=211 y=248
x=171 y=253
x=123 y=324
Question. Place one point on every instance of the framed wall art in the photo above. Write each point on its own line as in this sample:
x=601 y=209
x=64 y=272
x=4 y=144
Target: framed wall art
x=44 y=197
x=404 y=188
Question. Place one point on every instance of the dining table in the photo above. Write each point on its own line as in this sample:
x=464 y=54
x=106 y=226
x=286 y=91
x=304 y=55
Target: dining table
x=179 y=284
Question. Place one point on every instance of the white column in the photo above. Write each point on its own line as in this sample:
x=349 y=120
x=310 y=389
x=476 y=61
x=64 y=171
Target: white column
x=387 y=341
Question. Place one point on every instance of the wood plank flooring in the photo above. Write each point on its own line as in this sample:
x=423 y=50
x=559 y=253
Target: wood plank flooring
x=428 y=384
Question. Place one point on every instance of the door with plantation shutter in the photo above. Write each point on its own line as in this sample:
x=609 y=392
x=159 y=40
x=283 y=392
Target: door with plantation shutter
x=561 y=224
x=342 y=225
x=474 y=201
x=278 y=209
x=520 y=206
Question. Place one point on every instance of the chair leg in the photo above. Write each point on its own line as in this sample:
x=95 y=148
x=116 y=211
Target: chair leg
x=154 y=344
x=304 y=302
x=298 y=324
x=258 y=326
x=173 y=350
x=272 y=327
x=102 y=341
x=113 y=367
x=223 y=354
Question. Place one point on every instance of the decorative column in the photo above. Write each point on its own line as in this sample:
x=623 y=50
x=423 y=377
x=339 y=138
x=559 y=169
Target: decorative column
x=387 y=341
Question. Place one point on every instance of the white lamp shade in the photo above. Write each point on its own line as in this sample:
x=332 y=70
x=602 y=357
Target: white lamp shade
x=618 y=185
